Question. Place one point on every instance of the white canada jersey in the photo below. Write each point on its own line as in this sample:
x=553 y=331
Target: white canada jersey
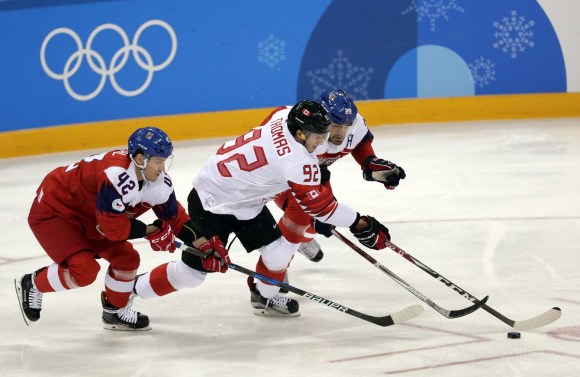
x=251 y=170
x=328 y=153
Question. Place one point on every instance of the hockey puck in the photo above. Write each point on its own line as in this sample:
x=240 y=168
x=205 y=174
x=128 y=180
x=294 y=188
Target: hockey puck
x=514 y=335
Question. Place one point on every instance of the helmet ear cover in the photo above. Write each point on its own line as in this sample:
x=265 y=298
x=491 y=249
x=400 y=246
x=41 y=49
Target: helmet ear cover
x=138 y=152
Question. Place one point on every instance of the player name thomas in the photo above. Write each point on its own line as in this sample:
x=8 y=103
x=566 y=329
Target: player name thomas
x=326 y=302
x=279 y=139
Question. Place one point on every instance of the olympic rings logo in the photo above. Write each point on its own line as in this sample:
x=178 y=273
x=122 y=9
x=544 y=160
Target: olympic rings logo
x=97 y=63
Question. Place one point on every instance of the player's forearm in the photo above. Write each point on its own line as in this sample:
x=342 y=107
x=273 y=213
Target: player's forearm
x=342 y=216
x=362 y=151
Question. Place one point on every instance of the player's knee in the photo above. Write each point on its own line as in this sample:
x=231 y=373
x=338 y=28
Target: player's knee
x=277 y=255
x=182 y=276
x=127 y=259
x=82 y=269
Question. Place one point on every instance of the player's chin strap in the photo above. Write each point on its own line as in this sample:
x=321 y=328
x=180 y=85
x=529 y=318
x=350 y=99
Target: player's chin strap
x=141 y=167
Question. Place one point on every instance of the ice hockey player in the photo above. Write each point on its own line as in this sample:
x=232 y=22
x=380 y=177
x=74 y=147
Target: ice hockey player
x=349 y=134
x=88 y=210
x=231 y=190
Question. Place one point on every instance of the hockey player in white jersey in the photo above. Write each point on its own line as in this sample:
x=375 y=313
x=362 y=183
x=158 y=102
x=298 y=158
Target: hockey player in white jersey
x=230 y=193
x=349 y=134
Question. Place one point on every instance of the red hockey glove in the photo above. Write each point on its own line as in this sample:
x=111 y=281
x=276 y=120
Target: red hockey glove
x=377 y=169
x=163 y=238
x=217 y=258
x=373 y=235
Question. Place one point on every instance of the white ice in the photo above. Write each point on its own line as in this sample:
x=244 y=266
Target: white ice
x=492 y=206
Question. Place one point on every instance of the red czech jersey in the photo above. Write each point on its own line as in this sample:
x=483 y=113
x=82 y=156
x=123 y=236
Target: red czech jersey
x=102 y=193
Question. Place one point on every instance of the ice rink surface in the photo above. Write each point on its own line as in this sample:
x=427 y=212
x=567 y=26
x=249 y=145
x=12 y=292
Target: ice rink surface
x=493 y=206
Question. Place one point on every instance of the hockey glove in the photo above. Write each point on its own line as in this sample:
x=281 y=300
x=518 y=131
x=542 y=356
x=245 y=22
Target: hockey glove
x=216 y=255
x=324 y=174
x=163 y=238
x=323 y=228
x=377 y=169
x=373 y=235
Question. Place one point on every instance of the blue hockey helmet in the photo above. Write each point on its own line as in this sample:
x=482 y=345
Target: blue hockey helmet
x=151 y=141
x=340 y=107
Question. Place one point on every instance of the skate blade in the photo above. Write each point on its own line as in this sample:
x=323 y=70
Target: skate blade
x=108 y=326
x=274 y=313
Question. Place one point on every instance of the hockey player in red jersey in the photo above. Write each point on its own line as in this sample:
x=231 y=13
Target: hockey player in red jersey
x=89 y=209
x=349 y=134
x=231 y=190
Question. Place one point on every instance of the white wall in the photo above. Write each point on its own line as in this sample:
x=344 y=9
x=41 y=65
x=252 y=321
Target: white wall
x=565 y=16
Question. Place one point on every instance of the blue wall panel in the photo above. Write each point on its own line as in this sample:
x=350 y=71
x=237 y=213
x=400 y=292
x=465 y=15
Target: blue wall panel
x=237 y=55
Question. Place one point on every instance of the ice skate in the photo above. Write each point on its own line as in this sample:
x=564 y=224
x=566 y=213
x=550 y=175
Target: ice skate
x=277 y=306
x=29 y=297
x=123 y=319
x=311 y=250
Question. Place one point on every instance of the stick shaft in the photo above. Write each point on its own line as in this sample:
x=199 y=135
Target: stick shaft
x=444 y=312
x=381 y=321
x=538 y=321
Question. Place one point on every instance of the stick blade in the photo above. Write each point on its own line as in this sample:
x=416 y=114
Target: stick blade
x=543 y=319
x=402 y=315
x=407 y=313
x=463 y=312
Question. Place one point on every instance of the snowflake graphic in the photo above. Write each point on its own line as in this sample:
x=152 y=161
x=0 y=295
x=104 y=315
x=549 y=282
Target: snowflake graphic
x=271 y=51
x=482 y=71
x=433 y=10
x=513 y=34
x=341 y=73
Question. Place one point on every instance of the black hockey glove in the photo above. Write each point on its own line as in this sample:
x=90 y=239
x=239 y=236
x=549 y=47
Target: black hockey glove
x=386 y=172
x=323 y=228
x=373 y=235
x=324 y=174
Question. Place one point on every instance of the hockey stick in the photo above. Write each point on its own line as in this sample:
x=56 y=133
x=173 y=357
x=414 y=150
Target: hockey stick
x=528 y=324
x=444 y=312
x=405 y=314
